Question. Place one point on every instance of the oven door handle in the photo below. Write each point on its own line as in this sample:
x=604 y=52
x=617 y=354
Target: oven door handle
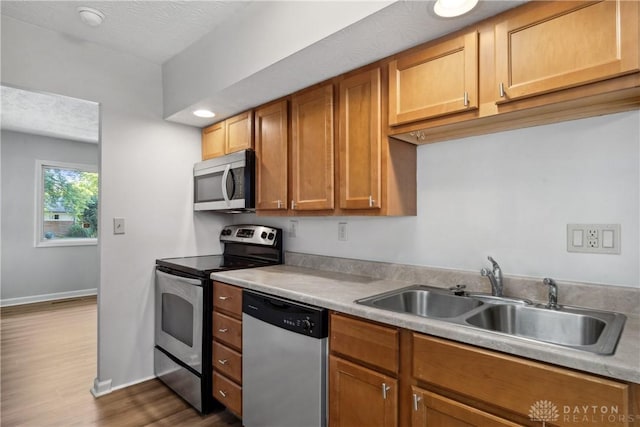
x=225 y=176
x=178 y=278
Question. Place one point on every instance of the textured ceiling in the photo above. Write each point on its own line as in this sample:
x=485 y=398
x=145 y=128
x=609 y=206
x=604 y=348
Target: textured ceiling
x=154 y=30
x=50 y=115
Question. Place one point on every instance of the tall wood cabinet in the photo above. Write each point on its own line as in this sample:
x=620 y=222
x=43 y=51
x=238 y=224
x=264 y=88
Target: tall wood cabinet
x=360 y=141
x=438 y=80
x=272 y=148
x=312 y=149
x=565 y=44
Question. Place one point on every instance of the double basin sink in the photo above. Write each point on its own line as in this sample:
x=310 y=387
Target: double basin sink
x=583 y=329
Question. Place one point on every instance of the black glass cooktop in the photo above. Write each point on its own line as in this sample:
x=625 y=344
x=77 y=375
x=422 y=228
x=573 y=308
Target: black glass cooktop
x=203 y=266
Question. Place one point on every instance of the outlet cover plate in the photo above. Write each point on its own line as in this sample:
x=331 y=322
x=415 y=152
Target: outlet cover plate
x=593 y=238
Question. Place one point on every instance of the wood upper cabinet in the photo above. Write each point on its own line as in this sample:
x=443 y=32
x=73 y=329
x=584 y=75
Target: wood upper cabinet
x=361 y=397
x=556 y=45
x=438 y=80
x=231 y=135
x=213 y=141
x=239 y=132
x=433 y=410
x=312 y=149
x=359 y=141
x=272 y=145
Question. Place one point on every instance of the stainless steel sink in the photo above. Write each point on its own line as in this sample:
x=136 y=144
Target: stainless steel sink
x=423 y=301
x=590 y=330
x=583 y=329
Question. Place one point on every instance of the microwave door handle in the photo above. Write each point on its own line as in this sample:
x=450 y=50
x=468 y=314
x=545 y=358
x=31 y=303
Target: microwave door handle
x=225 y=176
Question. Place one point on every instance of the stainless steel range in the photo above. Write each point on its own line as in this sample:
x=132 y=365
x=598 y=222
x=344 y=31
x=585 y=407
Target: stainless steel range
x=183 y=307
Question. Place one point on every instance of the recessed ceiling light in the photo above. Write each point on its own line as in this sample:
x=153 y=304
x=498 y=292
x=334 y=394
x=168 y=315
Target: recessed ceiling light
x=453 y=8
x=90 y=16
x=206 y=114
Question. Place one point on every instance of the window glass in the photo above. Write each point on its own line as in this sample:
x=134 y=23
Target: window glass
x=68 y=208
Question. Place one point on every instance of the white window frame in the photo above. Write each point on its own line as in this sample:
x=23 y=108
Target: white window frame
x=40 y=241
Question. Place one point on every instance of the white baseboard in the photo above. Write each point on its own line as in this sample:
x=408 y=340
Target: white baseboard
x=133 y=383
x=47 y=297
x=100 y=388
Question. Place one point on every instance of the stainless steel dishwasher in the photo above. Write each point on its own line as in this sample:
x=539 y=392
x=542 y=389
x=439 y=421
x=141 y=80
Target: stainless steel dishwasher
x=284 y=362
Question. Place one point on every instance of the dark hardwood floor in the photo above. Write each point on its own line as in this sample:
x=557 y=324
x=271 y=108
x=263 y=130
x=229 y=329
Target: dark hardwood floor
x=47 y=366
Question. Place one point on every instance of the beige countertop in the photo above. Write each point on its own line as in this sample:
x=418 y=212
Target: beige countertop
x=338 y=291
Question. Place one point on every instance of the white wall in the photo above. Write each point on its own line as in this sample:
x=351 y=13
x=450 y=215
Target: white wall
x=509 y=195
x=28 y=271
x=145 y=171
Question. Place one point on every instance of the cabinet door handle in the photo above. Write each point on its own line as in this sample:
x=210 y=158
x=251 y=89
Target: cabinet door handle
x=371 y=201
x=222 y=393
x=293 y=204
x=385 y=389
x=222 y=361
x=279 y=204
x=223 y=298
x=466 y=98
x=416 y=399
x=223 y=330
x=501 y=89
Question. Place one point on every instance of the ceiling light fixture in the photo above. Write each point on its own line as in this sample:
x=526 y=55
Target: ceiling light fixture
x=205 y=114
x=453 y=8
x=90 y=16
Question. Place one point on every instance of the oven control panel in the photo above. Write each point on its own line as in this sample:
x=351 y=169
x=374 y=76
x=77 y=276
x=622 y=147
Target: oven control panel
x=254 y=234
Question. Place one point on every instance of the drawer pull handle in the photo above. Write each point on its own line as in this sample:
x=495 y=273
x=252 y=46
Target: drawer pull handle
x=222 y=393
x=223 y=298
x=223 y=330
x=385 y=389
x=416 y=399
x=222 y=361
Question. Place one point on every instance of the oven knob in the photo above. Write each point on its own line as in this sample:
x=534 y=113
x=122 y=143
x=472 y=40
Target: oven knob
x=264 y=235
x=271 y=236
x=226 y=232
x=307 y=325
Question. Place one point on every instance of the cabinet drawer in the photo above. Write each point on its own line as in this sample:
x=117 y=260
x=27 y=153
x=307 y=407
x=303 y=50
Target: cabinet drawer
x=227 y=298
x=227 y=330
x=228 y=393
x=516 y=384
x=227 y=362
x=365 y=341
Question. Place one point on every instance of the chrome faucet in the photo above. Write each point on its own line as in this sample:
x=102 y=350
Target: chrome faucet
x=553 y=293
x=495 y=277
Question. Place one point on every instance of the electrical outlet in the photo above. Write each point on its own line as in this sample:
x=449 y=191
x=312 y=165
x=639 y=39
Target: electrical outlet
x=342 y=231
x=593 y=238
x=293 y=228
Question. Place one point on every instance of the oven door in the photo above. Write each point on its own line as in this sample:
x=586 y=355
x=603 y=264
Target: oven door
x=179 y=318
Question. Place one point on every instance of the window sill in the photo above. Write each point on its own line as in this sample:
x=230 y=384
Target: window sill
x=66 y=242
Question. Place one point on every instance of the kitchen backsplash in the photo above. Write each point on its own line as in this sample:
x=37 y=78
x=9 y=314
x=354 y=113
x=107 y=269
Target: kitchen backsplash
x=606 y=297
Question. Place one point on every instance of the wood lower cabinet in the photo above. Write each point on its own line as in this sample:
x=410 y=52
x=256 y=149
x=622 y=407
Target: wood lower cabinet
x=272 y=156
x=558 y=45
x=227 y=346
x=361 y=397
x=213 y=140
x=312 y=145
x=438 y=80
x=433 y=410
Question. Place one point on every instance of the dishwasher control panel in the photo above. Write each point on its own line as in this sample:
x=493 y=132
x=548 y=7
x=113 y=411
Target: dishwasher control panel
x=291 y=315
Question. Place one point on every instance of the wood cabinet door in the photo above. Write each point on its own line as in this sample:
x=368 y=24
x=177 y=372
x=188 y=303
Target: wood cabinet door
x=312 y=155
x=359 y=141
x=360 y=397
x=563 y=44
x=439 y=80
x=433 y=410
x=272 y=145
x=213 y=141
x=239 y=132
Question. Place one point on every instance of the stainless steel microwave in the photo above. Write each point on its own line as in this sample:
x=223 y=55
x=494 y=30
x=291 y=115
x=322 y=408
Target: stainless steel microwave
x=226 y=183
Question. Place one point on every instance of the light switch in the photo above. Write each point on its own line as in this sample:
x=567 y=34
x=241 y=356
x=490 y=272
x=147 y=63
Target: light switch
x=118 y=225
x=577 y=238
x=607 y=239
